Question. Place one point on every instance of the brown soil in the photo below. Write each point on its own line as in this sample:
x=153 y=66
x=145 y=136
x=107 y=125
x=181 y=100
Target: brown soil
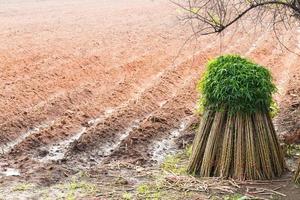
x=93 y=83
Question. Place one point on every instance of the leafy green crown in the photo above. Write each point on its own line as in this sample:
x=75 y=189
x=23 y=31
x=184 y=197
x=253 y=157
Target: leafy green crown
x=236 y=84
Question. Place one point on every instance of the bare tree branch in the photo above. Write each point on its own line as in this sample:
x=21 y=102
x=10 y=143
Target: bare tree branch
x=214 y=16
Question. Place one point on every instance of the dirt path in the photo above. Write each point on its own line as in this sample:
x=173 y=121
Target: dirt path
x=85 y=83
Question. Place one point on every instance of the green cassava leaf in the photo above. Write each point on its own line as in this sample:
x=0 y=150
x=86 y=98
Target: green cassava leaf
x=236 y=84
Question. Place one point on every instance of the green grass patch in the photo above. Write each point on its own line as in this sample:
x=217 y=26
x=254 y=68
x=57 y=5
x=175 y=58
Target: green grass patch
x=235 y=197
x=23 y=187
x=76 y=188
x=177 y=163
x=127 y=196
x=150 y=191
x=82 y=186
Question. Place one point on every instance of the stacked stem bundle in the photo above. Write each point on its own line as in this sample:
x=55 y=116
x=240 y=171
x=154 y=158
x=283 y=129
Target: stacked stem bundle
x=241 y=146
x=297 y=174
x=236 y=137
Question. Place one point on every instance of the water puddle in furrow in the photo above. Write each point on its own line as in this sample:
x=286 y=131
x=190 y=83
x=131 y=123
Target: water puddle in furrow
x=164 y=147
x=108 y=148
x=6 y=148
x=57 y=151
x=11 y=145
x=10 y=172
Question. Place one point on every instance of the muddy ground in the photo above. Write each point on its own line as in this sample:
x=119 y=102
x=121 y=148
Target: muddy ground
x=89 y=84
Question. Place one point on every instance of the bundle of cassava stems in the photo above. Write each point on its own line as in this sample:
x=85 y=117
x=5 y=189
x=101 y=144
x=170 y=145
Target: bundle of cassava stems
x=236 y=137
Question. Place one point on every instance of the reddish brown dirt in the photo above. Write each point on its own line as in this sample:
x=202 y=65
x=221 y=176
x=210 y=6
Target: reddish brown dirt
x=65 y=64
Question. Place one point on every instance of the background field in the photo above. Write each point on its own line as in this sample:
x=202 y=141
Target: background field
x=84 y=83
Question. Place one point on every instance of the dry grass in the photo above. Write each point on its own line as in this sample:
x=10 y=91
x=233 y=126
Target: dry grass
x=297 y=174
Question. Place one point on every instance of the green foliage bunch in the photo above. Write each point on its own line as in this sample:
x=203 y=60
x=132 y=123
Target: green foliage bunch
x=235 y=84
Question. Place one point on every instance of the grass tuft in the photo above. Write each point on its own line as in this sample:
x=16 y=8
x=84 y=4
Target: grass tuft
x=127 y=196
x=177 y=163
x=22 y=187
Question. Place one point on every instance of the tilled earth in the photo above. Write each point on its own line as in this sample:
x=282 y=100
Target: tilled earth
x=87 y=83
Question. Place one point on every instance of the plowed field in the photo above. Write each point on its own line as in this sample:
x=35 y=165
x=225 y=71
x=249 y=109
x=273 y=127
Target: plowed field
x=84 y=83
